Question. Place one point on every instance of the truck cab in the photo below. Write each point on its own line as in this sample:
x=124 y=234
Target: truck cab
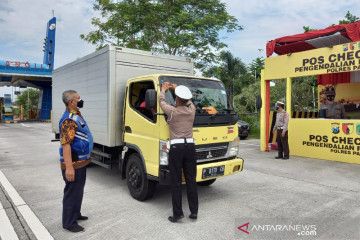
x=144 y=158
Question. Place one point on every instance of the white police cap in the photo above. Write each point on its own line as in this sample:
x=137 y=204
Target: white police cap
x=278 y=102
x=183 y=92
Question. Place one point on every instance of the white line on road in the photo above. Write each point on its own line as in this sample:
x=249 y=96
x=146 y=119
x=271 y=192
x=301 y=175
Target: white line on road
x=6 y=230
x=24 y=125
x=249 y=144
x=34 y=223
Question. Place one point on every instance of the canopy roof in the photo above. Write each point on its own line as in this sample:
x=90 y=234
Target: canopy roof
x=327 y=37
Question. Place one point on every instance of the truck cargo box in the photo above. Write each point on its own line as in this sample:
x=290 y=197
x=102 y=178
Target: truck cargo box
x=100 y=79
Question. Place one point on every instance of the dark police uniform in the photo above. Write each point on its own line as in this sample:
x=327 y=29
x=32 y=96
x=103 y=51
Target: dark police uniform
x=334 y=110
x=281 y=125
x=75 y=131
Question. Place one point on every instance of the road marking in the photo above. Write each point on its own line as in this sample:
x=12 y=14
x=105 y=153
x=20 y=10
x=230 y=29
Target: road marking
x=6 y=230
x=249 y=144
x=24 y=125
x=34 y=223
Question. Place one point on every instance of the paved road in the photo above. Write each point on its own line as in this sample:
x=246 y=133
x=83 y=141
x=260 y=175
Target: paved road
x=277 y=198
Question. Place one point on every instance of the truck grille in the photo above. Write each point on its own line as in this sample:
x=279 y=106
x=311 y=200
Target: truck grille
x=210 y=151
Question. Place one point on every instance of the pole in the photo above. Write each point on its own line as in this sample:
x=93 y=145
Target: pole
x=28 y=110
x=233 y=93
x=313 y=96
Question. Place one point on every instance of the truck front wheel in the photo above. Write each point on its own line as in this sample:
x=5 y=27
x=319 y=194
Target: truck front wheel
x=139 y=186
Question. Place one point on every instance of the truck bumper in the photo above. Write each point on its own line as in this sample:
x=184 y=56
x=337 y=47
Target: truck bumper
x=231 y=166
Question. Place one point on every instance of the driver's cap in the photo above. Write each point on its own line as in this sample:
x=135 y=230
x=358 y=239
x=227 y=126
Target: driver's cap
x=183 y=92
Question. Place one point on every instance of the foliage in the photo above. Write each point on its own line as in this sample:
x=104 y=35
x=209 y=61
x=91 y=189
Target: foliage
x=304 y=94
x=256 y=66
x=183 y=27
x=231 y=71
x=349 y=18
x=30 y=103
x=246 y=84
x=308 y=29
x=278 y=92
x=245 y=101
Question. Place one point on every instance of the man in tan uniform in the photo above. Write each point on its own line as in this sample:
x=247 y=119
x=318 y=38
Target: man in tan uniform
x=182 y=155
x=281 y=125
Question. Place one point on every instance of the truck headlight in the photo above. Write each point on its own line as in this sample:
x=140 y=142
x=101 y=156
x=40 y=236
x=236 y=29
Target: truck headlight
x=234 y=147
x=164 y=152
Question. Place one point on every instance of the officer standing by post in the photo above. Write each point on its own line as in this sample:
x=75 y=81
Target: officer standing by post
x=281 y=125
x=76 y=146
x=182 y=148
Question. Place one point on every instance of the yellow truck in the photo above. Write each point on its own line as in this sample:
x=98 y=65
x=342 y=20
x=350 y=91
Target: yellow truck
x=134 y=138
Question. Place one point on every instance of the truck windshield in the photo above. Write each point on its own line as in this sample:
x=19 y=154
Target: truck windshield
x=209 y=96
x=8 y=110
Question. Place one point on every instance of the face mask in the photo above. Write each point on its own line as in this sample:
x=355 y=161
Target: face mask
x=330 y=97
x=80 y=103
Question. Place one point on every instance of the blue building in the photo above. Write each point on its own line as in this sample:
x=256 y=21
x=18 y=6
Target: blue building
x=17 y=73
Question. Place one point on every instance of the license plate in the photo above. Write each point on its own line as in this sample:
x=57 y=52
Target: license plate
x=213 y=171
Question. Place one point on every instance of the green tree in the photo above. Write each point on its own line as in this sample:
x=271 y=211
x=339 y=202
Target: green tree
x=256 y=66
x=308 y=29
x=349 y=18
x=29 y=99
x=182 y=27
x=245 y=101
x=278 y=91
x=230 y=71
x=304 y=93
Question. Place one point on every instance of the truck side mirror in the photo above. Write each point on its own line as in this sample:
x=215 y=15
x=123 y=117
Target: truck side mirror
x=150 y=98
x=258 y=102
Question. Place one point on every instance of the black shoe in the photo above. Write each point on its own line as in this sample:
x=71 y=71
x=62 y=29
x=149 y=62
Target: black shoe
x=285 y=158
x=193 y=216
x=77 y=228
x=278 y=157
x=175 y=219
x=83 y=218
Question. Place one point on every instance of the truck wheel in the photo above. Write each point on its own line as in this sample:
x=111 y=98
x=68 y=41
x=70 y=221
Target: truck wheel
x=206 y=183
x=139 y=186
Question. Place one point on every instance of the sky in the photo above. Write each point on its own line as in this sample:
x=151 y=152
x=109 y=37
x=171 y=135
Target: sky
x=23 y=26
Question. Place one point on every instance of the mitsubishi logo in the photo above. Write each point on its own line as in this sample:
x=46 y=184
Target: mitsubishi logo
x=209 y=155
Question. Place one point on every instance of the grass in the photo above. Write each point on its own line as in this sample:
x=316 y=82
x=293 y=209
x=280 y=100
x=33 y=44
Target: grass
x=255 y=133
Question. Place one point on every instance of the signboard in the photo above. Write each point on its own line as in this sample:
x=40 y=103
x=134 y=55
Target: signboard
x=339 y=58
x=23 y=64
x=348 y=94
x=330 y=139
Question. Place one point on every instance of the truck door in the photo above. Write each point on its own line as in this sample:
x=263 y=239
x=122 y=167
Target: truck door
x=141 y=128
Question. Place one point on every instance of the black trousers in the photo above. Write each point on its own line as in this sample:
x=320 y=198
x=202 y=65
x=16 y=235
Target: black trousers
x=73 y=196
x=283 y=145
x=183 y=156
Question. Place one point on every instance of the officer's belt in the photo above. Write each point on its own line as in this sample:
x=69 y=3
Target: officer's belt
x=280 y=127
x=181 y=140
